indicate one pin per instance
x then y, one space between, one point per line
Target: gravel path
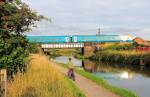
89 88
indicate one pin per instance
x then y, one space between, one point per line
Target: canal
134 78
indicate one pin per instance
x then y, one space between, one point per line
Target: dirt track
88 87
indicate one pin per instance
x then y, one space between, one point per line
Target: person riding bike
70 72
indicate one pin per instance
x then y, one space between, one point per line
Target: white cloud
84 16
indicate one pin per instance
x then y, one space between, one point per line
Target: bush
33 48
124 57
120 47
14 48
13 53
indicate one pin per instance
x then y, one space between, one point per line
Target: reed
124 57
42 80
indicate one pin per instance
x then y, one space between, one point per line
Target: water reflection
127 76
132 77
125 71
122 70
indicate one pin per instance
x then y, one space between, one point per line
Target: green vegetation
119 46
123 53
79 56
33 48
74 89
66 52
120 91
62 52
124 57
39 78
13 54
14 48
42 80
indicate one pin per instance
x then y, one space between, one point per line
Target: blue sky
73 17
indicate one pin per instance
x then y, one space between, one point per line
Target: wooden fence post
3 81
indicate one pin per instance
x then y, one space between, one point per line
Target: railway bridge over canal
86 42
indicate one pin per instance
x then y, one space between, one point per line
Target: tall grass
118 46
125 57
42 80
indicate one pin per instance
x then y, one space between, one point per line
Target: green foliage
74 89
14 48
14 20
79 56
13 53
120 91
62 52
33 48
123 57
120 47
101 82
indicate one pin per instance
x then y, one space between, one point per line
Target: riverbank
81 57
90 88
123 57
42 79
102 83
62 52
66 52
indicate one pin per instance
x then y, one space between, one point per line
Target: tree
14 22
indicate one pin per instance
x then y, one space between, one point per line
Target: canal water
134 78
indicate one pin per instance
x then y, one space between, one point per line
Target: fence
143 49
3 80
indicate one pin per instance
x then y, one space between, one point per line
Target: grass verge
125 57
79 56
63 52
74 89
101 82
42 80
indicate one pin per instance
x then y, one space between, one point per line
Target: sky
74 17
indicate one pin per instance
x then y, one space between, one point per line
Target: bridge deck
79 39
63 45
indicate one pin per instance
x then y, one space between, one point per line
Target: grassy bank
63 52
66 52
120 91
125 57
81 57
42 80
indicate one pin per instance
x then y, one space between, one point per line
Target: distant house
142 45
141 42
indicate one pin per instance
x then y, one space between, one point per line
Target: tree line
16 18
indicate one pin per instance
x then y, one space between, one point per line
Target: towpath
89 88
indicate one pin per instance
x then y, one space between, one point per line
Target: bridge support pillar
88 49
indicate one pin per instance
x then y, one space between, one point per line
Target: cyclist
70 73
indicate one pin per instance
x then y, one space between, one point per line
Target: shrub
125 57
14 48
